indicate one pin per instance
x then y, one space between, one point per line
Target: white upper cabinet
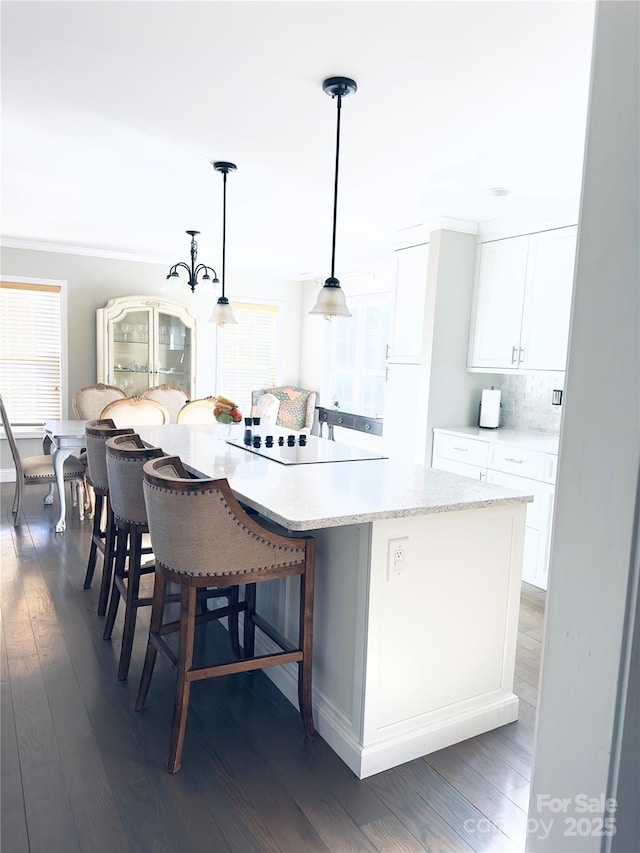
522 302
143 342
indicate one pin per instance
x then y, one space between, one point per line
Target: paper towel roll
490 408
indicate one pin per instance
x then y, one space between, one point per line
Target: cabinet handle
521 356
513 354
387 351
482 475
461 449
511 459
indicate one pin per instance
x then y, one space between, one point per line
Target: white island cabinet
143 342
411 654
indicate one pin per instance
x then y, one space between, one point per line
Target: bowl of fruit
226 411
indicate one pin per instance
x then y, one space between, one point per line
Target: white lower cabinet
517 467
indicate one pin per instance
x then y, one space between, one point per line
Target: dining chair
296 408
171 397
125 456
198 411
203 538
39 470
89 401
103 534
136 411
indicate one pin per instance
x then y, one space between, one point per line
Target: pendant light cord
224 224
335 195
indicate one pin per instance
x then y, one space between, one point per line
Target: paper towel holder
493 420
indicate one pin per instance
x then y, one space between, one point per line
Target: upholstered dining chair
103 534
89 401
203 538
296 407
198 411
125 456
171 397
136 411
38 470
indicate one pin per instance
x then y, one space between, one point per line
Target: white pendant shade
222 313
331 302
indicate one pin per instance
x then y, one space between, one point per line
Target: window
356 374
248 353
31 351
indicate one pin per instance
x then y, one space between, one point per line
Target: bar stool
202 538
103 537
125 456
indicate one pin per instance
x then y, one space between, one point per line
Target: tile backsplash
526 401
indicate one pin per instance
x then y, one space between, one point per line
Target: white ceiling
112 112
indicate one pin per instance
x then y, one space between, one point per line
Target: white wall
584 713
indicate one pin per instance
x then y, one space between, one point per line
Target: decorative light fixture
194 271
331 301
222 313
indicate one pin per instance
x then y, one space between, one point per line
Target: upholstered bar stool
126 454
203 538
103 536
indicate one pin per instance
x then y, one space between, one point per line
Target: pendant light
194 271
222 313
331 301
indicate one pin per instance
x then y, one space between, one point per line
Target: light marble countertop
308 497
542 441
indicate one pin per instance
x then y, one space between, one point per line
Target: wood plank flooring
81 771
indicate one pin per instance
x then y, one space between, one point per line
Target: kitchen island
417 592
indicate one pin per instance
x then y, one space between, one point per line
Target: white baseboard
7 475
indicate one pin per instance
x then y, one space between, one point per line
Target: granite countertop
308 497
542 441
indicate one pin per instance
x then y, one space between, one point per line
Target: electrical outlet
397 556
556 398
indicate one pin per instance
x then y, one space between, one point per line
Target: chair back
17 461
126 454
198 528
96 434
88 402
198 411
171 397
136 411
297 406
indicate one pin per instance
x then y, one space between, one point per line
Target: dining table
61 439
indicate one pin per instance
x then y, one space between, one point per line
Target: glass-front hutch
143 342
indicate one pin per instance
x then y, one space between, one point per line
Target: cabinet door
409 304
471 471
498 304
537 537
547 306
173 352
130 339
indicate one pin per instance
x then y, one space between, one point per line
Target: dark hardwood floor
81 771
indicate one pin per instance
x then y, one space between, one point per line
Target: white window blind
248 353
30 351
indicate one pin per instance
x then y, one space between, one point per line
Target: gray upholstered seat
203 538
35 470
103 538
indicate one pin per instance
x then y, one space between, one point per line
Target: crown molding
416 234
61 249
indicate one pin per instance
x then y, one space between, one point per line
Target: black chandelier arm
207 269
174 269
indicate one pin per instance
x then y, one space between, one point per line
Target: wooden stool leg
131 607
183 682
122 541
306 644
96 535
249 624
107 566
157 610
232 620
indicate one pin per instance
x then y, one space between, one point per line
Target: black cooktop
315 450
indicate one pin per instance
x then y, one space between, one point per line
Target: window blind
247 353
30 351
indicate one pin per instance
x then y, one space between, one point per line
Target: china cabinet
522 302
143 342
